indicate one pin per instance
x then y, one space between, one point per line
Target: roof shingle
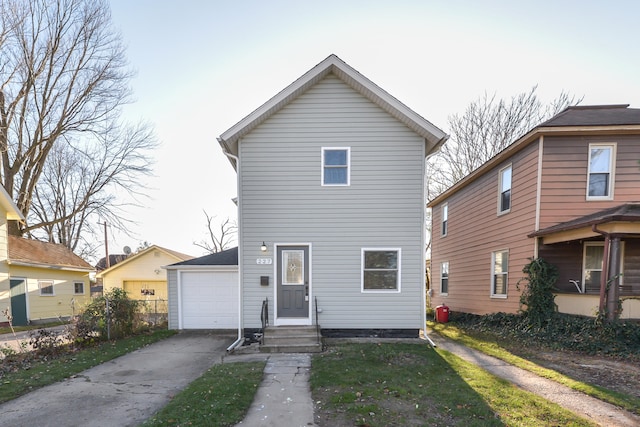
47 254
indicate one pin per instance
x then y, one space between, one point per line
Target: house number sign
264 261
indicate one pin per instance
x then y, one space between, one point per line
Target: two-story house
331 206
568 192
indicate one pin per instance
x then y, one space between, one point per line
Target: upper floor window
335 166
504 198
444 277
445 218
500 273
46 287
381 270
600 174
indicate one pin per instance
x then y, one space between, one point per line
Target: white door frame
292 321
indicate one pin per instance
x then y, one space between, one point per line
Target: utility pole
106 245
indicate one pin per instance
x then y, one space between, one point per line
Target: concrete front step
291 339
292 348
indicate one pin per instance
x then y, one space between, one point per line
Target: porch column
613 279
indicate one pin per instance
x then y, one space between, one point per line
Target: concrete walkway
122 392
579 403
284 397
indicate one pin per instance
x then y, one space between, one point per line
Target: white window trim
500 173
444 224
83 287
53 288
441 269
348 150
493 267
382 291
612 170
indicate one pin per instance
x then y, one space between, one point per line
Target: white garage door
209 300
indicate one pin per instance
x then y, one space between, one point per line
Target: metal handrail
317 321
264 316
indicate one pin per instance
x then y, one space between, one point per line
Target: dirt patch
618 375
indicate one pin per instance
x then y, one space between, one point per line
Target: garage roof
227 257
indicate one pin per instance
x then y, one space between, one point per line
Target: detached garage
203 292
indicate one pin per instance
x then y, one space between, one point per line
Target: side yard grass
394 384
490 346
30 374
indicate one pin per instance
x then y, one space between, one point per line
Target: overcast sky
203 65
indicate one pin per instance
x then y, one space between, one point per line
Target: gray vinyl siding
172 290
282 201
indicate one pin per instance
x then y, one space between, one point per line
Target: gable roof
34 253
174 254
13 213
574 120
228 257
434 137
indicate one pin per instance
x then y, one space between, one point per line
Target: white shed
203 292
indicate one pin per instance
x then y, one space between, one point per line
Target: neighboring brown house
568 192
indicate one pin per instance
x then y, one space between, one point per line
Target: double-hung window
444 277
336 166
499 275
381 270
78 288
504 198
600 174
445 219
46 287
592 266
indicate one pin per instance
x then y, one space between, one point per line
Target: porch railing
264 316
317 320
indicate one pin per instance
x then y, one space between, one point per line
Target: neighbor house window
592 266
381 270
46 287
335 166
78 288
444 278
504 198
445 218
600 174
499 277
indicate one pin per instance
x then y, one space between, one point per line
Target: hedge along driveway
124 391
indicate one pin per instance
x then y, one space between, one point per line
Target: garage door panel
209 300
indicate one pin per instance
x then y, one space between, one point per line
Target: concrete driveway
123 392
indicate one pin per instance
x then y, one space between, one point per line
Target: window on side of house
46 287
592 266
78 288
600 174
336 164
381 270
445 219
499 276
504 198
444 278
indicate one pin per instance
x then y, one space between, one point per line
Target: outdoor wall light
263 248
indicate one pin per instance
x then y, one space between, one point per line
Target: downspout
240 339
605 266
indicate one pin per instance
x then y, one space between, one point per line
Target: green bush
111 316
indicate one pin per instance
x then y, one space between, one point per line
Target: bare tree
63 79
219 239
78 187
488 126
